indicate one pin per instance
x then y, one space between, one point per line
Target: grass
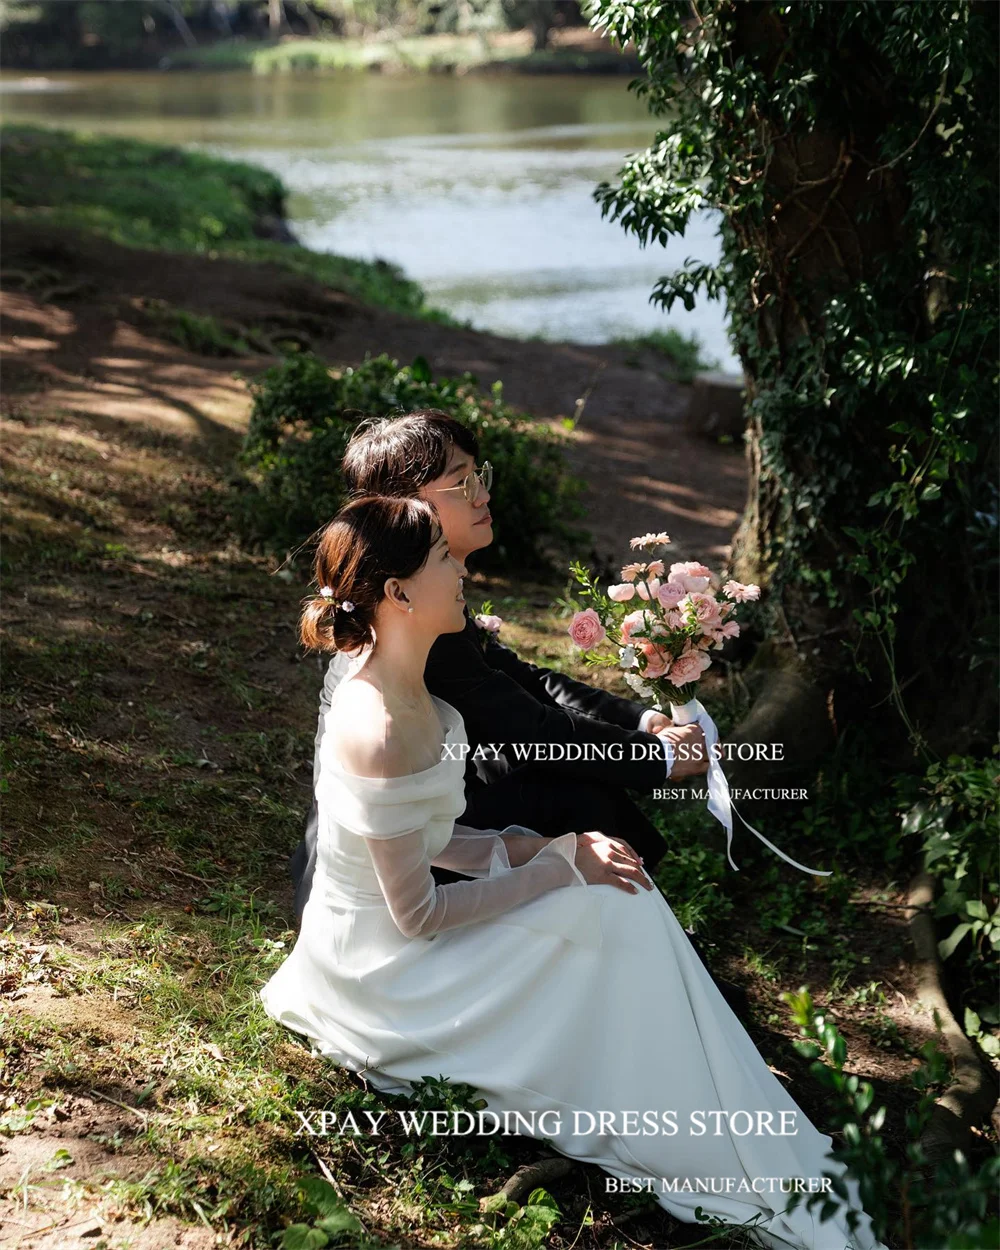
157 757
158 754
157 746
147 195
682 352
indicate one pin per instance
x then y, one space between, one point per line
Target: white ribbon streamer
720 802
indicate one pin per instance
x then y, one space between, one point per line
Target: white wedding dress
544 993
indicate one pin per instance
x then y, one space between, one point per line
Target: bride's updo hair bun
370 540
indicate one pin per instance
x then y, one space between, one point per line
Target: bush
303 416
956 824
952 1206
682 352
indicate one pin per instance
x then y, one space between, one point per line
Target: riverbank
78 190
573 50
570 50
153 195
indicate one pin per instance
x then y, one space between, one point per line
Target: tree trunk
180 22
831 227
540 24
309 17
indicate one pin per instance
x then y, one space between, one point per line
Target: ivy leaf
302 1237
321 1196
343 1222
947 947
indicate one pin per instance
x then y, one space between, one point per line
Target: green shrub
956 824
303 416
682 352
952 1207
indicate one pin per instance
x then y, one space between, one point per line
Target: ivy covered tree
851 150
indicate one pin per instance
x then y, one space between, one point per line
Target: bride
557 981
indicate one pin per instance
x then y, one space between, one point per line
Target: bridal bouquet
664 623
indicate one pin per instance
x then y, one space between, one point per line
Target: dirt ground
630 434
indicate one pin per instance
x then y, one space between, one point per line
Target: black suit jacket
504 699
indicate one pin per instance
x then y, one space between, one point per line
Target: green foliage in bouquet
302 419
951 1208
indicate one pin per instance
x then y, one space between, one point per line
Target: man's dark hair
398 455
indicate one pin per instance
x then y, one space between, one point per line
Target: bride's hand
609 861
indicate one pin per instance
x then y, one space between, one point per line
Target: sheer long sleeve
420 907
404 816
472 851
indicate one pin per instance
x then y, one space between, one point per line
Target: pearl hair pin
345 606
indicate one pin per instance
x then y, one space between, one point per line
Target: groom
503 699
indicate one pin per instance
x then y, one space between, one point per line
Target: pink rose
491 623
650 593
657 662
670 594
691 575
632 622
689 667
622 593
586 629
740 592
706 610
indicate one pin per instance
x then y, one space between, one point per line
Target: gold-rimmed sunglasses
472 482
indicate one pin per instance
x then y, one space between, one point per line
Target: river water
480 187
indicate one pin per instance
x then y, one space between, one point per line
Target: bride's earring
409 609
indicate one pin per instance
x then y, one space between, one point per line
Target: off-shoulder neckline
450 713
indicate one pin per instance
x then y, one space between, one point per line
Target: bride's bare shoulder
362 734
